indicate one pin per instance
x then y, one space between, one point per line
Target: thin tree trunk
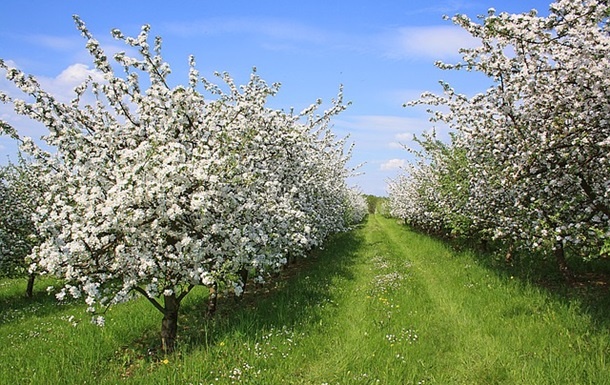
593 196
243 275
29 291
169 324
484 244
562 264
212 300
509 258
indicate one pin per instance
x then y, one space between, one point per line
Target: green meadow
378 305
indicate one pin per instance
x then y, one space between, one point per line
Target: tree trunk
243 275
509 257
169 325
562 264
484 244
212 300
29 291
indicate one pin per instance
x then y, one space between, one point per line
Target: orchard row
528 164
154 189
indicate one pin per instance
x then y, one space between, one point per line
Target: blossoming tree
537 140
155 189
20 189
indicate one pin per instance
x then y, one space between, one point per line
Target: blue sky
381 51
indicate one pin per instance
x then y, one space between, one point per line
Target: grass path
488 328
380 305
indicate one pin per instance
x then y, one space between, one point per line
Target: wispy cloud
56 43
377 124
447 7
276 29
431 42
438 42
381 135
393 164
401 96
405 136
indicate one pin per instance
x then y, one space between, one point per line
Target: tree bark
593 196
509 257
562 264
29 290
212 300
243 275
169 324
484 244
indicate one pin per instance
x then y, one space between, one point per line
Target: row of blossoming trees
19 194
528 162
154 189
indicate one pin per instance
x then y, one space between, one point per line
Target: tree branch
593 196
150 299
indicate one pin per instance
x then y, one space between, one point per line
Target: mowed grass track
379 305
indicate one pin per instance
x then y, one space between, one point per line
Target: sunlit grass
379 305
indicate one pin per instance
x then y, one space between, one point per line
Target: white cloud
379 137
277 34
76 73
393 164
402 141
62 86
433 42
405 136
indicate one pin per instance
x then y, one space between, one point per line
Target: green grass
379 305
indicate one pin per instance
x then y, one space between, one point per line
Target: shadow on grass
293 299
589 288
16 306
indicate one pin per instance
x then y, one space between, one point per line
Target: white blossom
528 162
156 188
